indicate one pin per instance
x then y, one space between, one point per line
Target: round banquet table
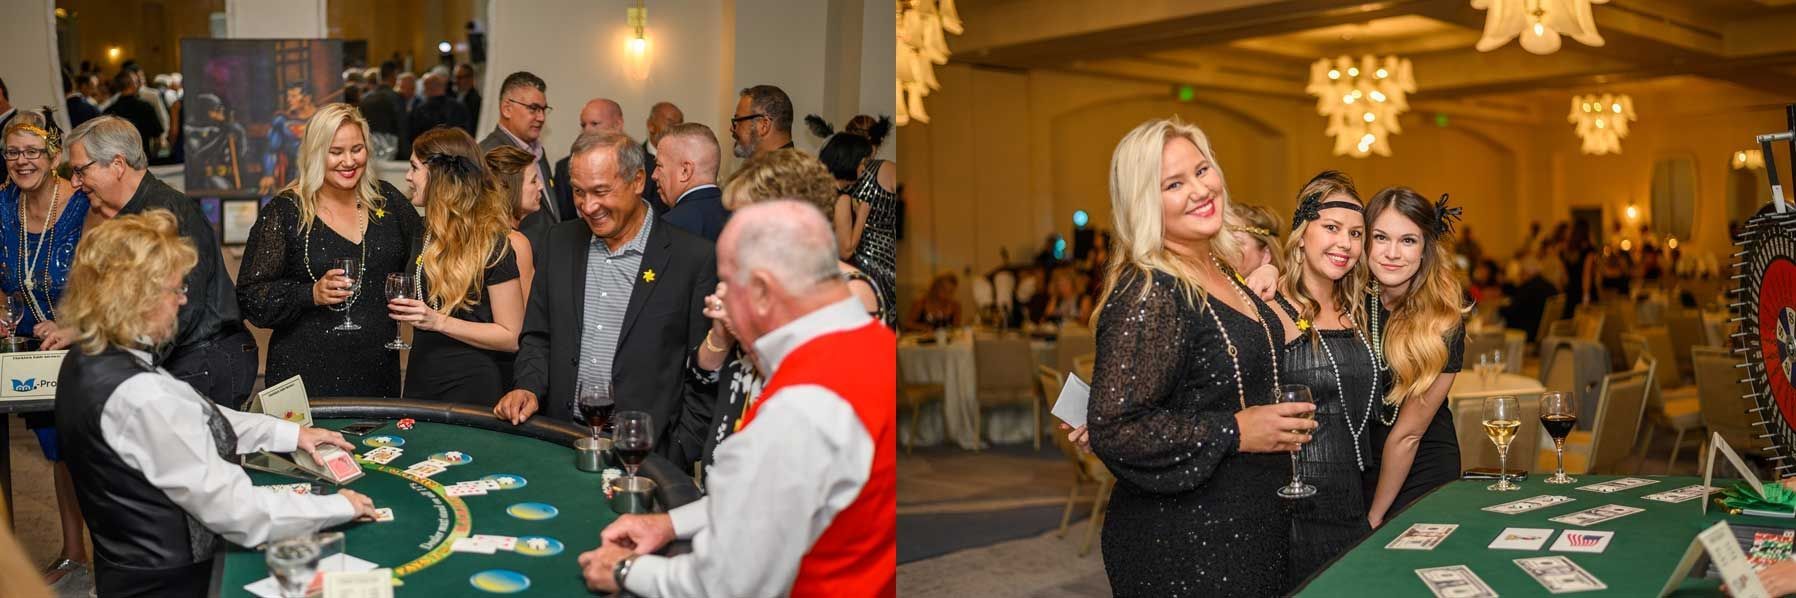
427 521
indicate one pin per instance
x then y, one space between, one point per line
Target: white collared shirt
158 425
776 485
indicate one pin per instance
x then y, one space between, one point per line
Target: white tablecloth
953 366
1469 385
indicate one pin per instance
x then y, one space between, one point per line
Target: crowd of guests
626 270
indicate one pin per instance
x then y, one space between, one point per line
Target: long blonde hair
1140 232
1325 185
1415 341
314 159
464 214
117 279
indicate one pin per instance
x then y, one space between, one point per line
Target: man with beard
763 121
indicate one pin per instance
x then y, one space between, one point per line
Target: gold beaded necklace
1272 348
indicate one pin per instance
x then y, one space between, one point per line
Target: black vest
144 544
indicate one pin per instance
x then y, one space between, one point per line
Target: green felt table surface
424 520
1639 560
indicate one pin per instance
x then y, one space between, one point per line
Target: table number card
1716 444
30 375
286 401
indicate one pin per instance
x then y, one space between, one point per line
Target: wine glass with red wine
594 406
1559 414
633 438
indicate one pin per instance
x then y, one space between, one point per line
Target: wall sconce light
113 53
636 50
1633 213
1671 242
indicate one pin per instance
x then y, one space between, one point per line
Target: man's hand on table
596 566
643 534
311 438
516 406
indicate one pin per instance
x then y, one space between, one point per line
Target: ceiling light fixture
1362 101
1601 122
923 26
1538 23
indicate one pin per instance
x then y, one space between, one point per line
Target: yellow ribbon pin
648 276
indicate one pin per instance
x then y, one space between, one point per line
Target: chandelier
1751 159
1361 101
1538 23
923 26
1602 121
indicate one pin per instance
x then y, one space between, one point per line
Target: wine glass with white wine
1502 418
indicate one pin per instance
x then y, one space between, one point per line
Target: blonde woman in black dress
1182 398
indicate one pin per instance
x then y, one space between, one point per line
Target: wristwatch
622 570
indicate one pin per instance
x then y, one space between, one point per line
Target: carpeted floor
1040 566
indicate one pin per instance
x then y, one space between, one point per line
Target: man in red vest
803 499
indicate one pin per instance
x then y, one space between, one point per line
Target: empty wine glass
1296 393
632 438
15 315
293 562
399 286
348 266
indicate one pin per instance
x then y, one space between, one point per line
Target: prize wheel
1766 312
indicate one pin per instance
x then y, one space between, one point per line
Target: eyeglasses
77 171
747 117
535 109
29 153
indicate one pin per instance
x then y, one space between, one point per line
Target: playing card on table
1595 515
383 455
1560 575
1618 485
499 542
1422 536
1573 540
425 469
488 485
1456 581
1685 494
383 514
1528 504
474 545
1521 538
464 489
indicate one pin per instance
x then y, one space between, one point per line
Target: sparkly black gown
877 253
1345 386
1190 515
275 292
1437 457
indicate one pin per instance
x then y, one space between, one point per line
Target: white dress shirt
158 425
682 196
776 485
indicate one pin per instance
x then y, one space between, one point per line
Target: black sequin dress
1437 457
275 292
1340 374
877 253
1190 515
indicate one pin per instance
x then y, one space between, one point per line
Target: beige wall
1009 155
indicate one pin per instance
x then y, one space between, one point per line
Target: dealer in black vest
153 459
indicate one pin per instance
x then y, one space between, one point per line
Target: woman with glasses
291 283
41 219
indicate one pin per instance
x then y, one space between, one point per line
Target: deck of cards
1456 581
1618 485
1685 494
484 544
1422 536
1560 575
1595 515
1528 504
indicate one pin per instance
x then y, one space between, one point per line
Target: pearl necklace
1376 346
25 252
1272 348
418 275
361 265
1341 391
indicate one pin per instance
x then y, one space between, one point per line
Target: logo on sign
31 384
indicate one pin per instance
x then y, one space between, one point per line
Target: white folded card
1074 397
267 587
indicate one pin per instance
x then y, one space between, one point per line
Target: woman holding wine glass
1334 358
468 305
1416 295
1182 397
295 280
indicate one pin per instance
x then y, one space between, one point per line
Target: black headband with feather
819 127
452 163
1444 216
875 133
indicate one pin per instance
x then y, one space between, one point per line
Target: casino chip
1766 310
406 424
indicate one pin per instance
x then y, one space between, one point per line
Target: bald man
686 175
662 116
438 109
598 116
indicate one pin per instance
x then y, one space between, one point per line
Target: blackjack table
1639 560
554 510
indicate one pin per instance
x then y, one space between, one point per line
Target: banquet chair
914 396
1004 289
1005 370
1687 331
1553 311
1087 469
1620 403
1658 343
1725 408
1083 364
1476 450
1618 318
1677 409
984 298
1482 343
1073 342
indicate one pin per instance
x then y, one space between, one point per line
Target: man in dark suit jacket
438 109
135 110
522 110
633 322
599 115
381 106
662 116
467 94
76 93
688 176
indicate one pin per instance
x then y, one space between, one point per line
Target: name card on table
1717 445
287 401
30 375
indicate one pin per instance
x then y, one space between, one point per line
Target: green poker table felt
416 543
1638 562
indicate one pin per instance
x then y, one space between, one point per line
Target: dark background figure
381 106
467 94
662 116
1527 300
438 109
135 110
78 101
215 140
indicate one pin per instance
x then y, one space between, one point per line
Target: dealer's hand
311 438
643 534
364 506
597 564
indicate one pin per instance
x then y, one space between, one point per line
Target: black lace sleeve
269 294
1142 425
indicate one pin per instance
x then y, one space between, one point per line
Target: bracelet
621 571
712 347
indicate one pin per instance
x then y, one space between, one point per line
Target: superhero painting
251 101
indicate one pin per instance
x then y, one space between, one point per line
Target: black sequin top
877 253
1190 515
